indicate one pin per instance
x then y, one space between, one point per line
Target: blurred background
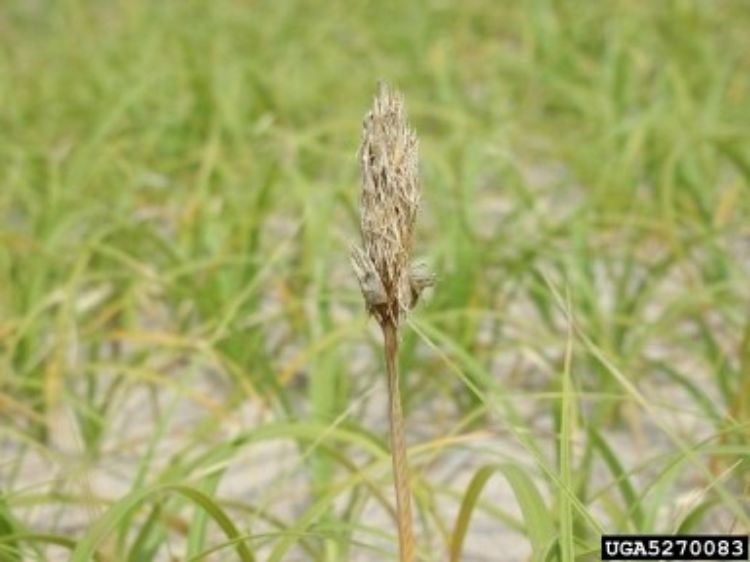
182 340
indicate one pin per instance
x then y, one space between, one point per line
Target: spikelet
389 201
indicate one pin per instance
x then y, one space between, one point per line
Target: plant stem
398 446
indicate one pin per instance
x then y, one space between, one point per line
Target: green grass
185 365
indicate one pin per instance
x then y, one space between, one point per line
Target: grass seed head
389 201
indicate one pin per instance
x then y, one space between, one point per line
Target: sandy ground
272 475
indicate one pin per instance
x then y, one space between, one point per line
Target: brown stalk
389 284
398 445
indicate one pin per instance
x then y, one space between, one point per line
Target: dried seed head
389 201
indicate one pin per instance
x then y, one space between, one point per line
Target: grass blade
536 516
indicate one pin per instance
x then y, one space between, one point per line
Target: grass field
186 368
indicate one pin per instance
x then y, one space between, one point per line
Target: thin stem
398 446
